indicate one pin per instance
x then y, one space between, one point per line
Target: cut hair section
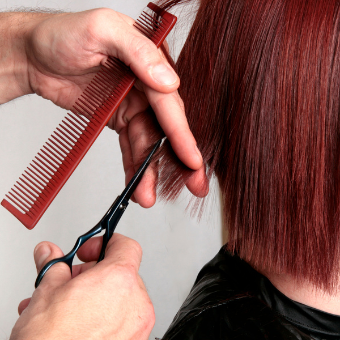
260 82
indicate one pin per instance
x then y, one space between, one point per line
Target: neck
306 293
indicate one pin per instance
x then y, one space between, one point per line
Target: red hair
260 83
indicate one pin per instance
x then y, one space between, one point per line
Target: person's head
260 83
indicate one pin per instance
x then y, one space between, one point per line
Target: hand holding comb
68 144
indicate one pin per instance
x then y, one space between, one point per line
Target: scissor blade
132 185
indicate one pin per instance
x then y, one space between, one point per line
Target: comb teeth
60 155
155 23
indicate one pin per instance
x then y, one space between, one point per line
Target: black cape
230 300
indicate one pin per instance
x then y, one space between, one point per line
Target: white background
175 246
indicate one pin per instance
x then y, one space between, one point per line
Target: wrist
15 28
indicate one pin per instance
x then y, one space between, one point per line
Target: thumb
140 54
59 273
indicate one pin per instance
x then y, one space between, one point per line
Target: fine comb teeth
68 144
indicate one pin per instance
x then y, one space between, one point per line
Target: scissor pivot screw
122 207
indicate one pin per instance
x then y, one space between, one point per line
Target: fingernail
163 74
41 253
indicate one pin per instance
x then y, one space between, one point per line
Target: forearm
15 27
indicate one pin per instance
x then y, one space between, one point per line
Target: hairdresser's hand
56 55
103 301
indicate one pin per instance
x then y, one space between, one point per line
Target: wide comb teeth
68 144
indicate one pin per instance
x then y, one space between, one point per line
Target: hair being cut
260 81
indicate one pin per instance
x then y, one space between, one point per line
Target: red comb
68 144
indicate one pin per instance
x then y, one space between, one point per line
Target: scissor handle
68 258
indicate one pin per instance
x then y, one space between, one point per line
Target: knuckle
149 312
99 14
127 274
135 124
166 100
180 102
137 248
147 317
43 293
97 19
143 49
137 127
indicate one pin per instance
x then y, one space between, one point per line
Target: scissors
108 222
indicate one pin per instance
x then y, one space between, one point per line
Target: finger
198 183
143 131
120 250
145 193
59 273
134 103
81 268
90 250
133 48
23 305
128 164
169 110
123 251
143 57
125 148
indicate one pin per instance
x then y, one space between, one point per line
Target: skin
103 301
55 56
306 293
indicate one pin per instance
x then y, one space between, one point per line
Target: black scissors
107 223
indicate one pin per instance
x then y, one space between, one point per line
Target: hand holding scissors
108 223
